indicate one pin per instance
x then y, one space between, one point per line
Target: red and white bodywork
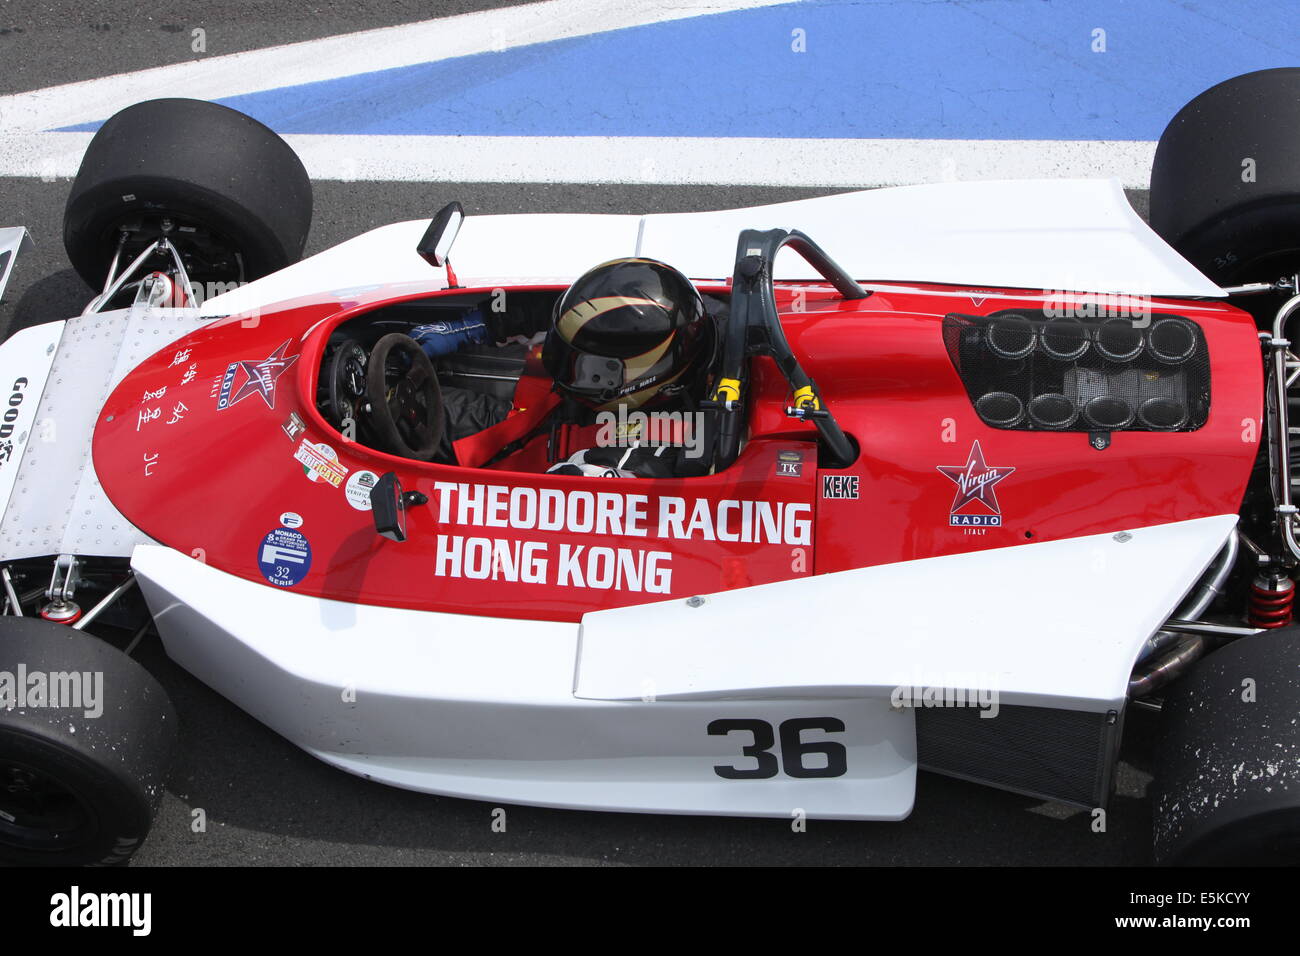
706 645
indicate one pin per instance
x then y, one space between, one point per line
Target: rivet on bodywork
695 601
1123 536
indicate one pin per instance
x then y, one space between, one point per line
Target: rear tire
78 790
237 196
1232 229
1227 789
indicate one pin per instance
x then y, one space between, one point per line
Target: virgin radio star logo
258 378
976 504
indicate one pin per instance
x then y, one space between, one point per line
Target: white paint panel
1053 624
483 707
1079 235
978 234
58 505
555 246
383 256
550 247
27 354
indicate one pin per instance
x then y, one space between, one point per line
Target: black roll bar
754 328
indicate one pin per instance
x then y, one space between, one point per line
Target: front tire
79 787
231 195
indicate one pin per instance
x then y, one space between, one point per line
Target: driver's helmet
629 331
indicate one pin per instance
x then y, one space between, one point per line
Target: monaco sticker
975 503
284 557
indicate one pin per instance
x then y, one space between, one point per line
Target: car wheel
231 195
79 783
1227 788
1225 184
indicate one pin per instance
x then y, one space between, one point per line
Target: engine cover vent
1027 370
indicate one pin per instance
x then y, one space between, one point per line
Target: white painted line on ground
311 61
659 160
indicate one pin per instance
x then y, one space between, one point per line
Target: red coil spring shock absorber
1271 598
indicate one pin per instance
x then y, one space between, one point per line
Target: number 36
793 748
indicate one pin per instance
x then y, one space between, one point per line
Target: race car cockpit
511 378
412 378
449 380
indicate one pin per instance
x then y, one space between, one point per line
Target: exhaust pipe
1187 648
1186 652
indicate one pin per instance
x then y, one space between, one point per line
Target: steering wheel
404 400
347 382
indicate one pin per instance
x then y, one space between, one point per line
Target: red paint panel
209 462
207 444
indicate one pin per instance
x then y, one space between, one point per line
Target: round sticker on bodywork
284 557
358 489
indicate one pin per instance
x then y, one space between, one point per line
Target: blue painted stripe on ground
979 69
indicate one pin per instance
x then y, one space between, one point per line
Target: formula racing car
977 470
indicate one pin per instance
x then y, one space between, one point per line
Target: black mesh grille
1029 371
1059 754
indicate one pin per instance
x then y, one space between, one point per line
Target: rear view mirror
435 245
388 504
389 508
